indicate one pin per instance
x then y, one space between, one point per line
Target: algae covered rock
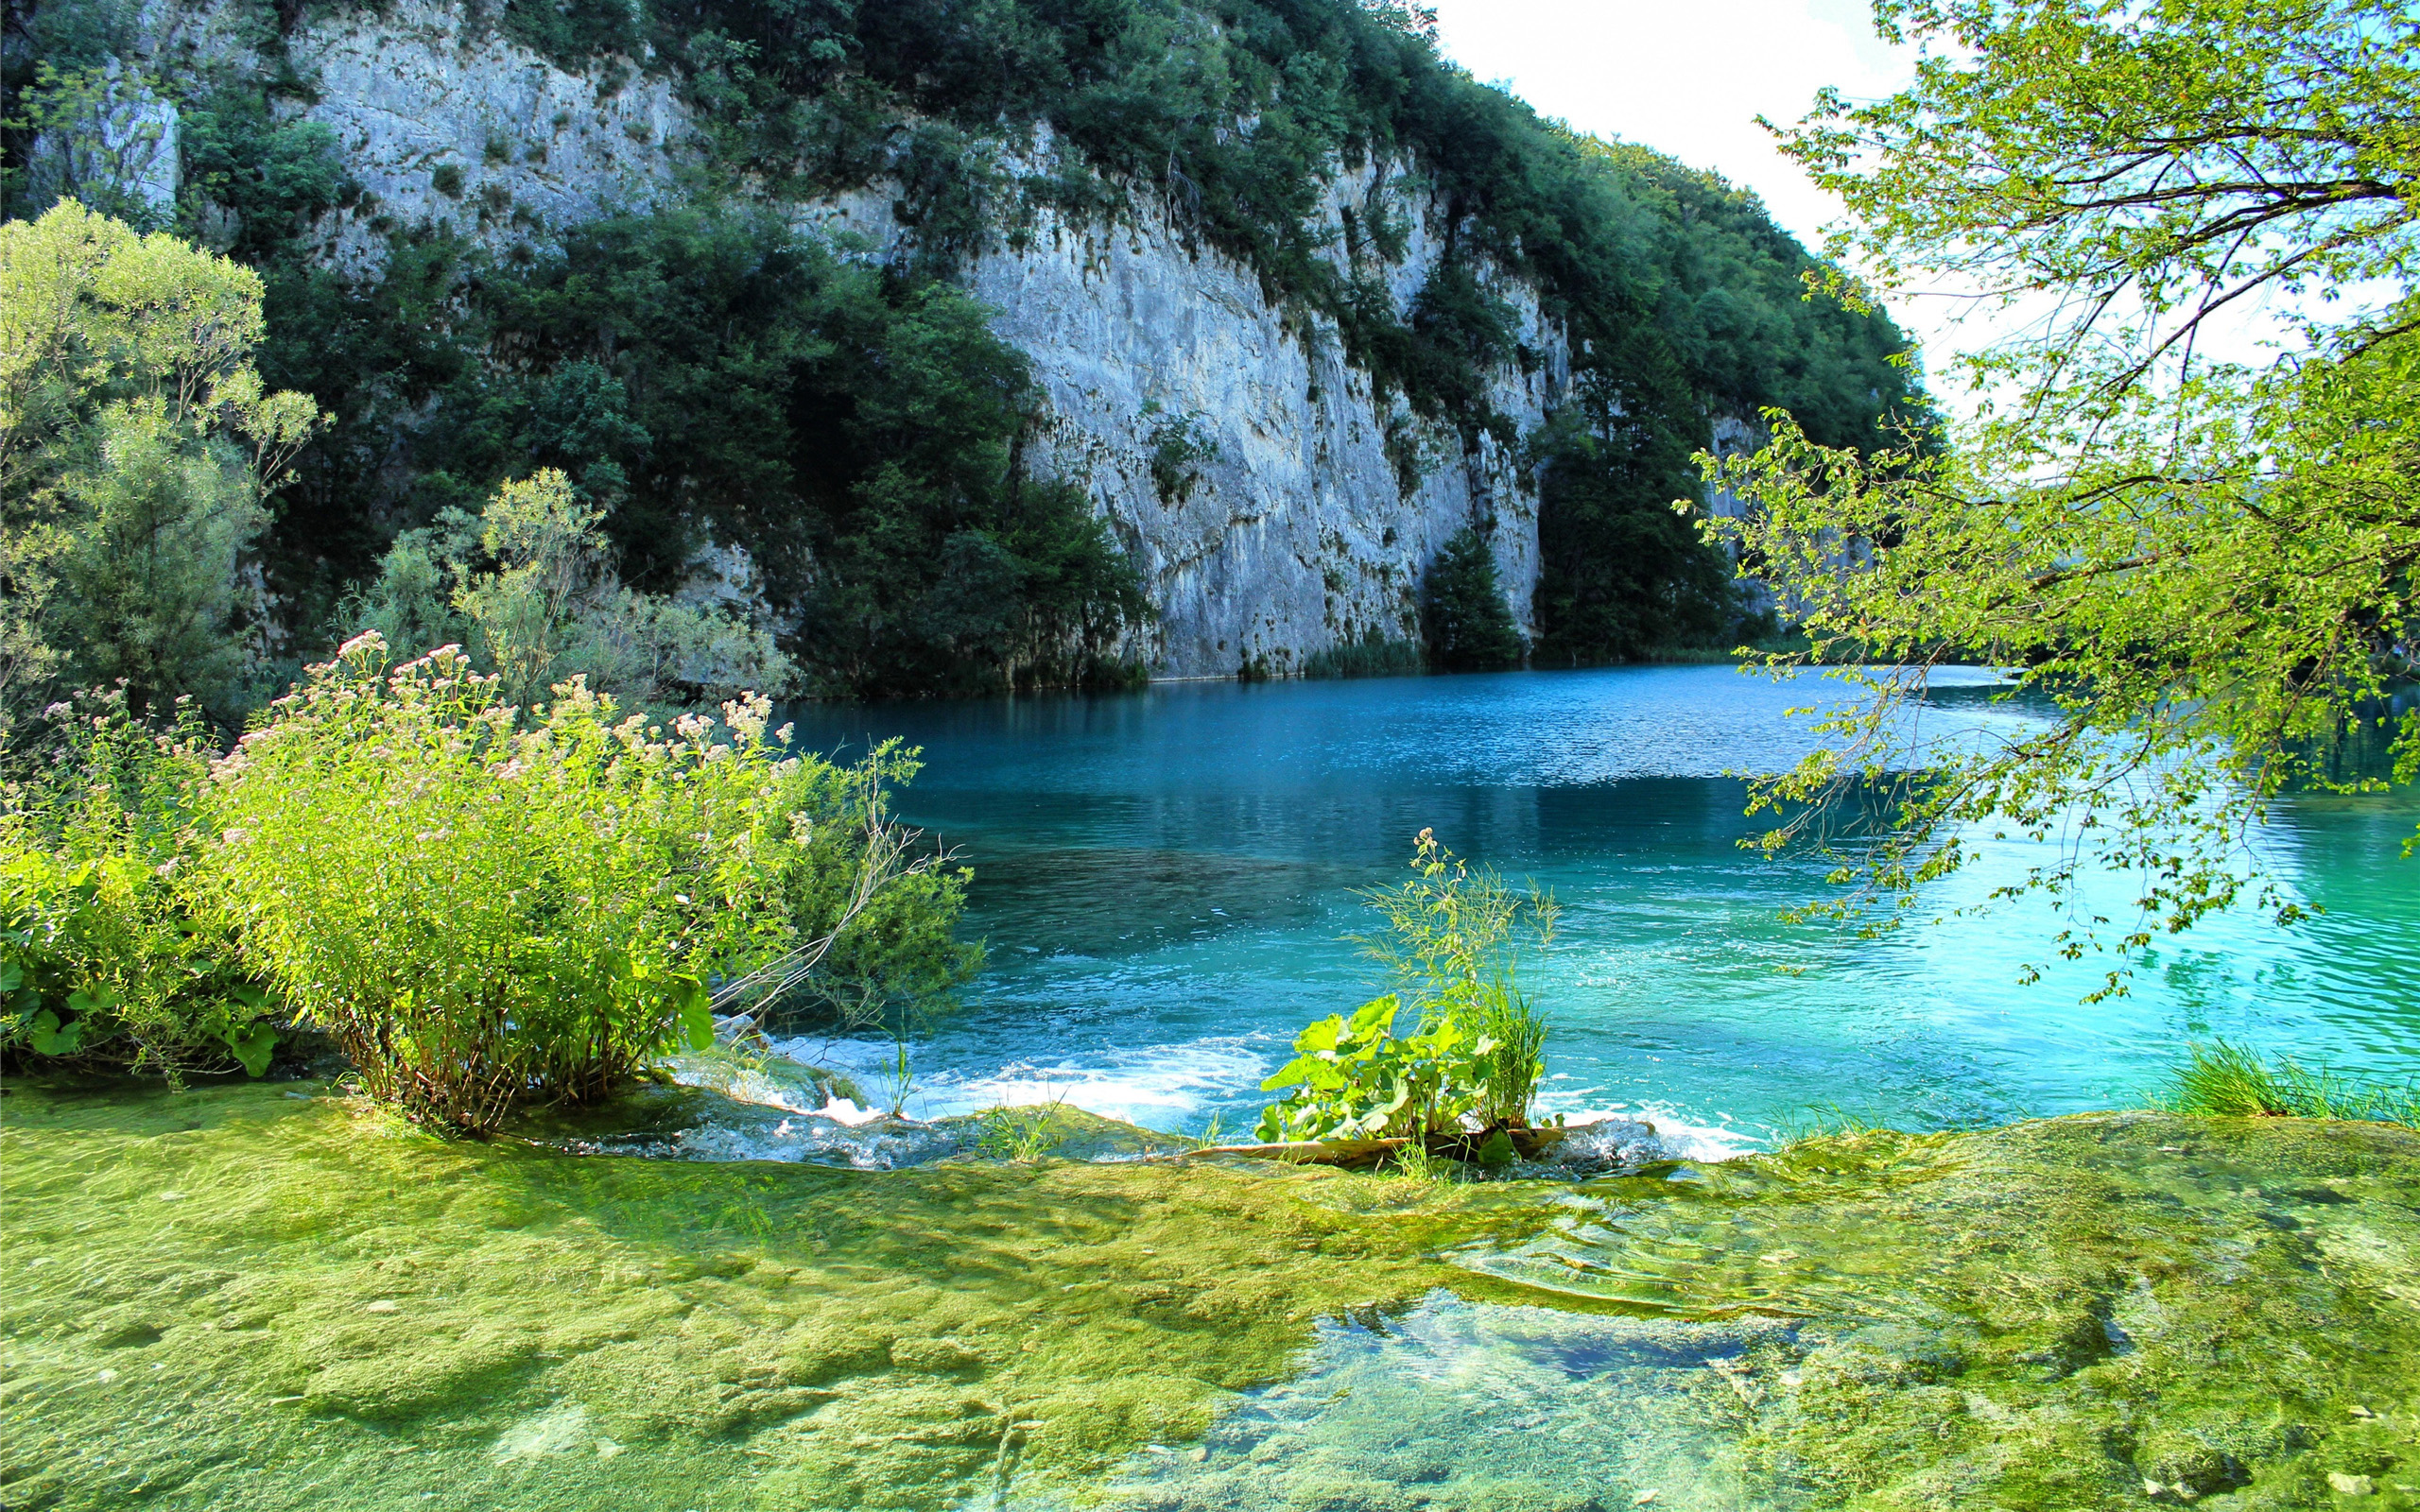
2059 1314
337 1312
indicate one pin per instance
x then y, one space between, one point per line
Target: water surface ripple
1163 880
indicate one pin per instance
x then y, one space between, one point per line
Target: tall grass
1509 1078
2224 1080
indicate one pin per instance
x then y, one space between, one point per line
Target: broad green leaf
1320 1036
1290 1074
51 1038
90 1001
696 1011
253 1047
1378 1013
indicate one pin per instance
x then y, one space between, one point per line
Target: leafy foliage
483 909
102 961
529 583
2204 571
1477 1050
714 376
1618 578
1179 443
95 135
1025 1134
1462 613
136 440
1372 656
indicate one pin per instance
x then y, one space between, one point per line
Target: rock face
1291 509
120 138
1276 505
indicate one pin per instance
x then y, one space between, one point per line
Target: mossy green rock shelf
236 1297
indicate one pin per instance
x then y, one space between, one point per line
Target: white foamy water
1159 1086
1681 1140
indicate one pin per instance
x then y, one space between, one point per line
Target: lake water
1165 880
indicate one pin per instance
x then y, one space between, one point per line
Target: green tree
1462 612
98 134
2203 570
136 443
714 377
1620 576
528 585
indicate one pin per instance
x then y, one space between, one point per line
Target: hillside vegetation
715 374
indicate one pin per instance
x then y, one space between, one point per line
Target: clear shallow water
1453 1404
1163 880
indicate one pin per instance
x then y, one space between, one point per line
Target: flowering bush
101 961
486 905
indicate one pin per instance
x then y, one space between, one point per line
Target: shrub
529 584
101 961
1356 1079
484 906
1179 443
1372 656
136 443
1477 1052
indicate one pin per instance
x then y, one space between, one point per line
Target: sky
1688 77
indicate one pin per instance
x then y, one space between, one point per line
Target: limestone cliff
1275 504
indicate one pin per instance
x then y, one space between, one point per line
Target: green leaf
1315 1071
252 1046
90 1001
696 1011
51 1038
1320 1036
1378 1013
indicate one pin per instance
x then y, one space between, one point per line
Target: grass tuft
1415 1162
2224 1080
1021 1134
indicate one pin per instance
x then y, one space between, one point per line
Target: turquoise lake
1165 880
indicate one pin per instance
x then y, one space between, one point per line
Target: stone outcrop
1292 508
1277 505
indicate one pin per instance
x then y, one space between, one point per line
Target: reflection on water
1164 879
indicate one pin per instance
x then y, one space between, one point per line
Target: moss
2054 1314
234 1296
239 1296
